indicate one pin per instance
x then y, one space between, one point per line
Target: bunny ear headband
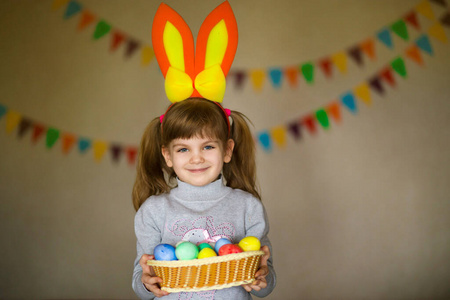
203 74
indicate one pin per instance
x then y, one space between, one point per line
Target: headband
203 74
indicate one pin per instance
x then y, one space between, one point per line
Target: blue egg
220 243
164 252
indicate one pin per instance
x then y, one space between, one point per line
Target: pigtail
240 172
150 176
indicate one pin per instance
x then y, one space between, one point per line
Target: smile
197 170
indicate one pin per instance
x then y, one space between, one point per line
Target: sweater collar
213 191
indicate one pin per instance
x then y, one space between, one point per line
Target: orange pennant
292 76
334 110
87 18
68 140
368 47
117 38
413 52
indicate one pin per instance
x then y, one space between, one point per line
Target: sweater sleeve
148 236
257 224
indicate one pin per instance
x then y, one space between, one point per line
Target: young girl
212 166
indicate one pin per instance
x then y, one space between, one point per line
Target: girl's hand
149 278
263 271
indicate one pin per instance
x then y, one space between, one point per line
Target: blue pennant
83 145
385 36
424 43
2 110
72 8
349 101
275 75
265 140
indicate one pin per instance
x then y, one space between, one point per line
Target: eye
182 150
209 147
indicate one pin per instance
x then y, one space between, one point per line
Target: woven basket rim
203 261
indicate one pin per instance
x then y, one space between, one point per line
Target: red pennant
334 111
116 39
411 18
38 131
131 154
292 76
368 47
326 64
413 52
86 19
387 75
68 140
310 123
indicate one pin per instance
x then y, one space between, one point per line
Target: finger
262 272
247 287
266 255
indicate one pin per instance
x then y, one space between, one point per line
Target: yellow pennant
340 61
99 148
424 8
362 91
438 32
257 77
279 136
12 120
58 3
147 55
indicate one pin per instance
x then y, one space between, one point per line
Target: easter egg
206 252
250 243
220 243
229 249
186 251
205 245
164 252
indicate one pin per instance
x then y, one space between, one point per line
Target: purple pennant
375 84
355 53
240 77
132 46
24 126
294 128
116 150
440 2
445 19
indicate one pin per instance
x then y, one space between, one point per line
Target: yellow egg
250 243
206 252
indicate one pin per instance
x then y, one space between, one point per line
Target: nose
196 158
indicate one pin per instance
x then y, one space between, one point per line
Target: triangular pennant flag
131 155
399 66
3 110
147 55
322 117
87 18
24 126
387 75
257 77
400 29
101 29
38 131
117 39
375 84
413 53
68 140
58 3
411 18
340 61
349 101
116 150
99 148
275 76
310 124
239 78
423 42
425 9
265 140
72 8
438 32
368 47
308 72
83 145
12 120
294 129
279 136
355 53
440 2
445 19
362 91
385 37
52 137
334 110
325 64
132 46
292 76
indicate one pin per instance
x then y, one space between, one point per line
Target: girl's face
197 161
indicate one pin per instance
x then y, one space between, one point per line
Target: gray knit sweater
199 214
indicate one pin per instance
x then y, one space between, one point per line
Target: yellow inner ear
216 45
173 44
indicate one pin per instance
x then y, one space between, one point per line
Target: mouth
198 170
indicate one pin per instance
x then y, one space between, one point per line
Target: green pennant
400 29
52 137
308 72
399 66
101 29
322 117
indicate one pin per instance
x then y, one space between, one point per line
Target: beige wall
360 211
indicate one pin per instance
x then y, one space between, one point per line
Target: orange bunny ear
217 40
172 40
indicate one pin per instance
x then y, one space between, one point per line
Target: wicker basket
208 273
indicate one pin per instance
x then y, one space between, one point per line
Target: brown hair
187 119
